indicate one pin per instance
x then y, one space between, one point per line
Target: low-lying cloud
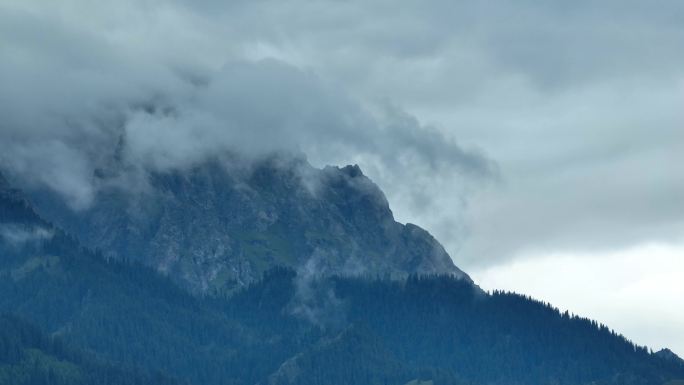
73 102
19 235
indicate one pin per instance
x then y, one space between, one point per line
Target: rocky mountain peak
352 170
219 225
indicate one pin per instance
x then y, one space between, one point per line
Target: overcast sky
541 142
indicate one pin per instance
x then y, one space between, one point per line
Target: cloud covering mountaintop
74 97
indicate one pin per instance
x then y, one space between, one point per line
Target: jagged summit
352 171
220 225
669 355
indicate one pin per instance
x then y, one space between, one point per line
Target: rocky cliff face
216 227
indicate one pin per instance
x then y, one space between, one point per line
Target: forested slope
29 357
288 327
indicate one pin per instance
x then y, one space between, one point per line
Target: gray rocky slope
214 228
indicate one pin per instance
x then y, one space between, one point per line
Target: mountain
217 226
292 326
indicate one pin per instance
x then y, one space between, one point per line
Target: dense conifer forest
29 357
287 328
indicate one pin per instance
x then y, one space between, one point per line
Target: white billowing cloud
79 94
634 291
